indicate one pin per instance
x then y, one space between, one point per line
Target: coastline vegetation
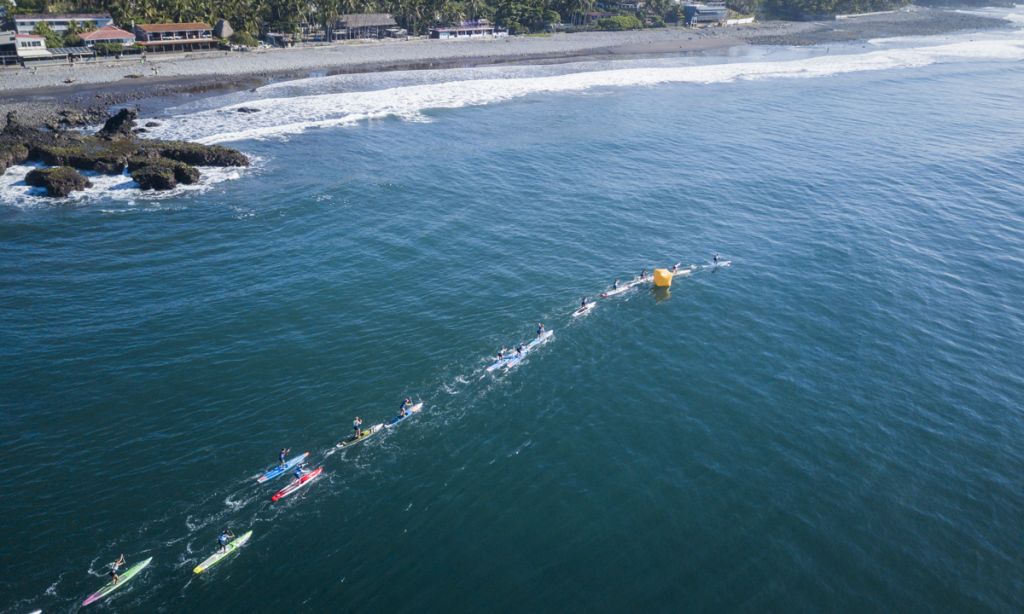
252 18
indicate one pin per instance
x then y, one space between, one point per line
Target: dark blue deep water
834 423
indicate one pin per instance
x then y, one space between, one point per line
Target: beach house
468 29
366 25
108 34
701 14
175 36
31 46
59 22
8 48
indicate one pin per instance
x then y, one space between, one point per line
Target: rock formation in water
59 181
153 164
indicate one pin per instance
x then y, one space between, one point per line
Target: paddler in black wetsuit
715 258
403 411
540 328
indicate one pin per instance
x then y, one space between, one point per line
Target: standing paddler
223 538
114 567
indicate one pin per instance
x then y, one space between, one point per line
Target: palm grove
251 18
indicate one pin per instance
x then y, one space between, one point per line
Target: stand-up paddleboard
280 469
363 436
539 340
626 287
415 409
684 272
217 557
617 291
297 484
585 309
124 578
719 264
501 362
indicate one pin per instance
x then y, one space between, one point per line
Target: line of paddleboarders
226 535
223 538
504 353
404 411
644 276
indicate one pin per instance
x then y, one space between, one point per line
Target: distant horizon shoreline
70 96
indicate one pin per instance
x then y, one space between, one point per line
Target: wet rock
247 110
183 173
59 181
11 154
196 154
120 124
88 153
154 164
155 177
151 124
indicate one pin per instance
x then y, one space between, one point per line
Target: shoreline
41 96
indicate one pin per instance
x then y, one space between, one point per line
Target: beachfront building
705 13
59 22
365 25
31 46
175 36
468 29
8 48
108 34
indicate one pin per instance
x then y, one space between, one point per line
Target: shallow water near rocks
833 422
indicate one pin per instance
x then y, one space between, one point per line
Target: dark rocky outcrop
194 153
247 110
11 154
59 181
154 164
120 124
151 124
183 173
155 177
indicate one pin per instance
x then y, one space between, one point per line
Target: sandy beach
47 94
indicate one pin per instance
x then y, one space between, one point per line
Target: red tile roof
173 27
107 33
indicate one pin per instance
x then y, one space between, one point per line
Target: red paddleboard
297 484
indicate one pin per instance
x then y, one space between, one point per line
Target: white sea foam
120 188
279 117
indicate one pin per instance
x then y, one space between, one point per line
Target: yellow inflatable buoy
662 278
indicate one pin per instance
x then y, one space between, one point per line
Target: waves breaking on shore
279 117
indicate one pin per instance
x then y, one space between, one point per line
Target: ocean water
832 423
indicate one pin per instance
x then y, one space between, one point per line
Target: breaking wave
278 117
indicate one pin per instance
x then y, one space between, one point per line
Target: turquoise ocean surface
833 423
